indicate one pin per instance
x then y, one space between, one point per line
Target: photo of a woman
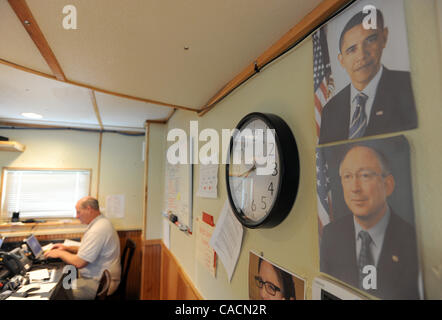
269 282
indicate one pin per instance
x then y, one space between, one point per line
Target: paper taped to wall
227 239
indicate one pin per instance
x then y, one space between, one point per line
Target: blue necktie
365 256
359 120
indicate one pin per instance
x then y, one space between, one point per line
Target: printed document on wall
115 205
227 239
208 181
205 254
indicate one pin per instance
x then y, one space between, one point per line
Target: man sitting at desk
99 250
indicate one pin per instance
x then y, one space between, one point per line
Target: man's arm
71 249
67 257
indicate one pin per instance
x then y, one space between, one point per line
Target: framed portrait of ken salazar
361 70
367 231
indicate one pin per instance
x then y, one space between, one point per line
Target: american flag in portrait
323 189
322 74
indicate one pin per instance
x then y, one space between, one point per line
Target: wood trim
52 169
11 146
25 16
113 93
151 270
122 95
161 121
162 275
100 144
28 70
53 223
309 23
146 179
47 237
170 115
167 257
95 106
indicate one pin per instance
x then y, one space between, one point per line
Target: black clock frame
289 172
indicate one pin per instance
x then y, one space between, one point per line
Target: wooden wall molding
163 278
175 283
151 270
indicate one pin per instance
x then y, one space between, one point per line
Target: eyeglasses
363 175
270 287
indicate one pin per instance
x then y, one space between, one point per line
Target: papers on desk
39 275
71 243
40 294
47 247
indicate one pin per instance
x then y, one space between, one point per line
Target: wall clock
262 200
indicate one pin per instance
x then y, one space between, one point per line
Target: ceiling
135 48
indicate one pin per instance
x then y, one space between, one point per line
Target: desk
48 288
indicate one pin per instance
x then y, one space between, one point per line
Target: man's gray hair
90 202
383 161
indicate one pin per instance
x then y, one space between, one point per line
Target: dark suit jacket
393 109
397 269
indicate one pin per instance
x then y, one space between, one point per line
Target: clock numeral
272 149
275 171
263 202
270 188
253 205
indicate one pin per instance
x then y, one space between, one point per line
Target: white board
179 190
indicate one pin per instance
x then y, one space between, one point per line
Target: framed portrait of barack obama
366 219
362 80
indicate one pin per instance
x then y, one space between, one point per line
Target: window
43 193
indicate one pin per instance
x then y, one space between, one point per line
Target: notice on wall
227 239
205 254
115 206
208 181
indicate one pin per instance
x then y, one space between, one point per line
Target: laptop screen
34 245
1 242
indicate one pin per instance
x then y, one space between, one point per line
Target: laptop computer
37 250
1 241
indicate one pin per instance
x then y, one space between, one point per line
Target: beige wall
121 164
157 148
286 88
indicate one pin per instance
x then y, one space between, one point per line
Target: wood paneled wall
151 270
47 237
163 277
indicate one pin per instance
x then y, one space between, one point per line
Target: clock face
254 177
262 172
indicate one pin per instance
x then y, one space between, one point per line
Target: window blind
43 193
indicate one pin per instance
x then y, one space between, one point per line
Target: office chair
126 259
104 285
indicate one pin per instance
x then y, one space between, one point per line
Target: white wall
121 166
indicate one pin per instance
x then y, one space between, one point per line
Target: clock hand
244 174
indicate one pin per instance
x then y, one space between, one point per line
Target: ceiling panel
58 103
136 47
127 114
15 44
